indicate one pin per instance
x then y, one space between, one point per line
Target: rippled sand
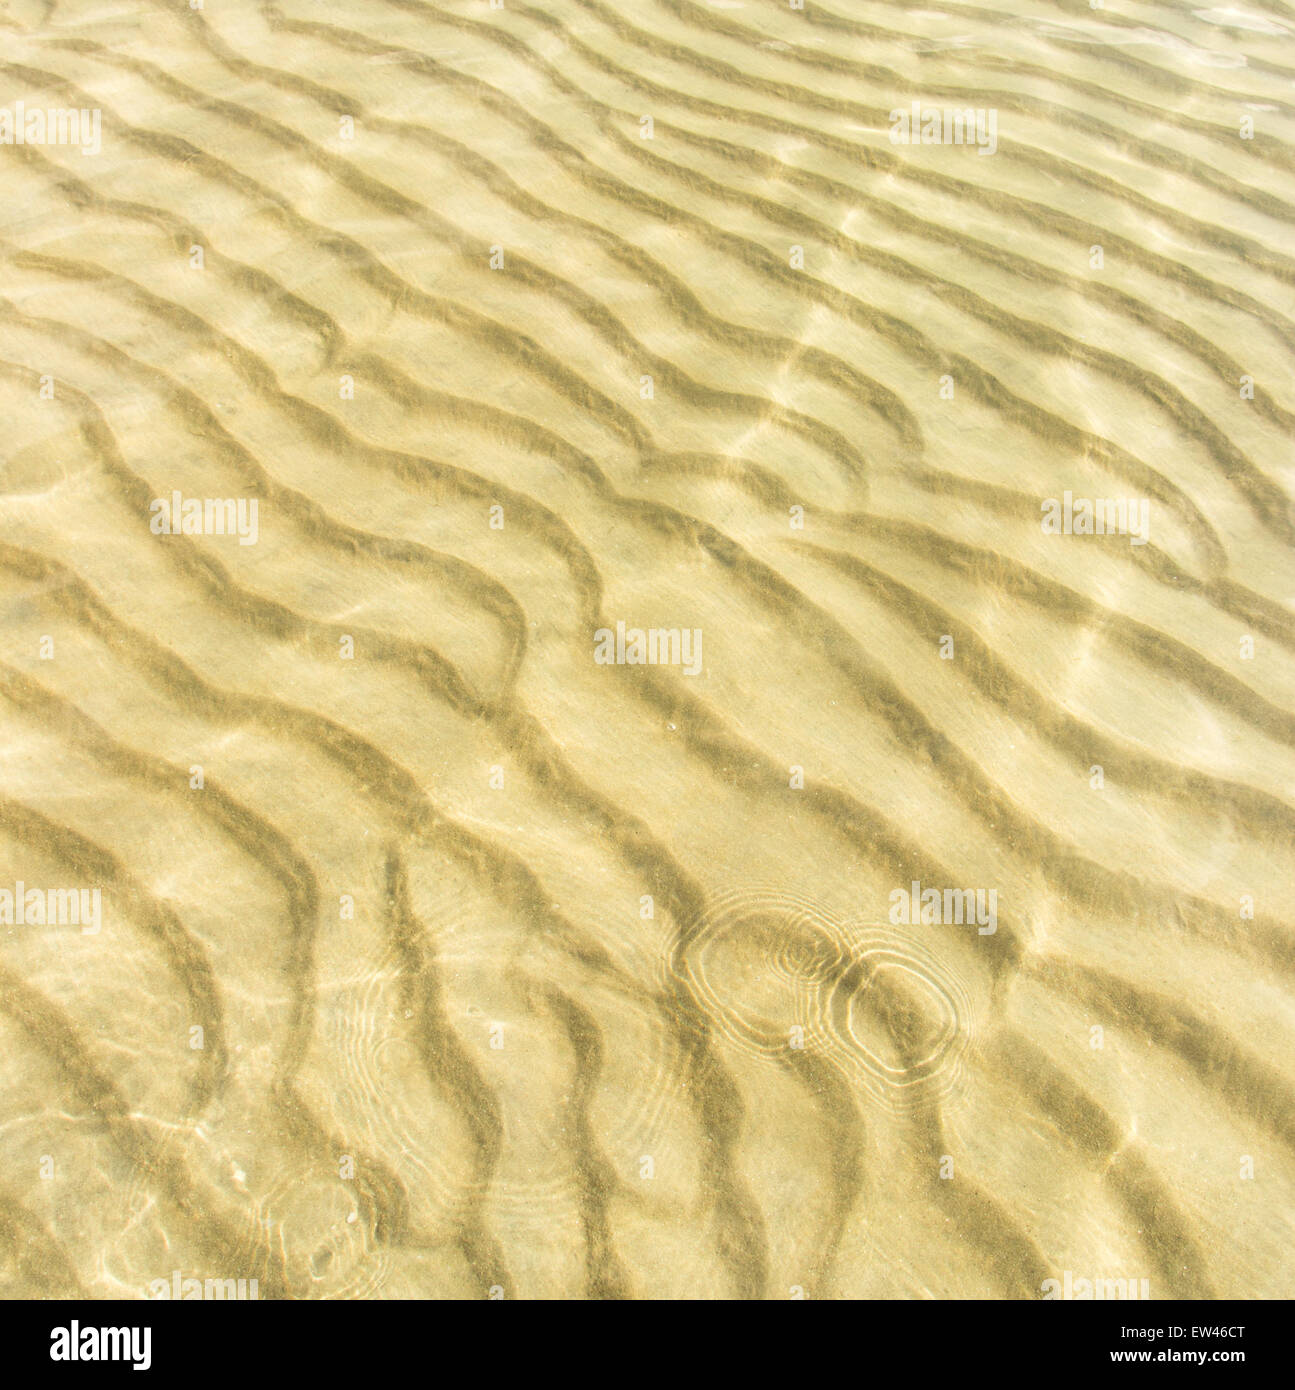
436 957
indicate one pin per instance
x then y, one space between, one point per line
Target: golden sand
646 805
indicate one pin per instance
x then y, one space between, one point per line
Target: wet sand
646 805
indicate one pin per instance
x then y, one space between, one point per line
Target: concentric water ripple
777 973
445 953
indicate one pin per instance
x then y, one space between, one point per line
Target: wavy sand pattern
437 958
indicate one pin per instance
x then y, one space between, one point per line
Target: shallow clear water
666 794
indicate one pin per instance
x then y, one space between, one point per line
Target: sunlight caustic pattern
646 649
